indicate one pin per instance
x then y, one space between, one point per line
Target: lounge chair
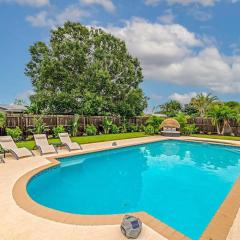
9 145
42 144
66 141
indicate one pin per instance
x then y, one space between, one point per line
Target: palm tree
221 116
202 102
215 114
227 115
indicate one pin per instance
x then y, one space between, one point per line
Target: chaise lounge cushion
22 152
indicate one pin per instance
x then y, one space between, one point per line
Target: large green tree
85 71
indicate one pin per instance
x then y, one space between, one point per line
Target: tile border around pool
217 229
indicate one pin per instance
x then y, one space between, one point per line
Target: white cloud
183 98
167 18
47 19
156 97
106 4
171 53
25 95
200 15
39 20
34 3
152 2
182 2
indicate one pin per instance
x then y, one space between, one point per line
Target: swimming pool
180 183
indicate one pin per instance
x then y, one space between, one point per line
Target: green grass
89 139
216 137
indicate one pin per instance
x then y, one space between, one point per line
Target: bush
57 130
115 129
149 129
2 119
91 130
141 128
189 129
15 133
123 128
132 128
182 119
39 126
75 124
107 124
155 122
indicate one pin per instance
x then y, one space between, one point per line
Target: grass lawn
216 137
89 139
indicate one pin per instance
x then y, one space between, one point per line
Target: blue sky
184 46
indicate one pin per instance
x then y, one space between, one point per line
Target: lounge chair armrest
32 152
55 147
38 148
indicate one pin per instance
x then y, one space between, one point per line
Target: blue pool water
179 183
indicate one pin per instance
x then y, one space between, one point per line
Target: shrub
57 130
107 123
155 122
75 125
132 128
141 128
189 129
91 130
15 133
2 119
115 129
123 128
149 129
182 119
39 126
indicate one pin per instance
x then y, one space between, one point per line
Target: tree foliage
85 71
221 115
202 102
2 119
155 122
171 108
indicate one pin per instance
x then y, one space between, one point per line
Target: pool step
72 163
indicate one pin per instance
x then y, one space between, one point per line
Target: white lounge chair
42 144
9 145
66 141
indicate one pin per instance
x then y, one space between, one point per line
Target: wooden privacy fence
26 122
205 125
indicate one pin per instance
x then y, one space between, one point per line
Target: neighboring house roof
12 108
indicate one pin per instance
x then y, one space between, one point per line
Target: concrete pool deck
16 223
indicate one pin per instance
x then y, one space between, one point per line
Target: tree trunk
218 129
225 124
